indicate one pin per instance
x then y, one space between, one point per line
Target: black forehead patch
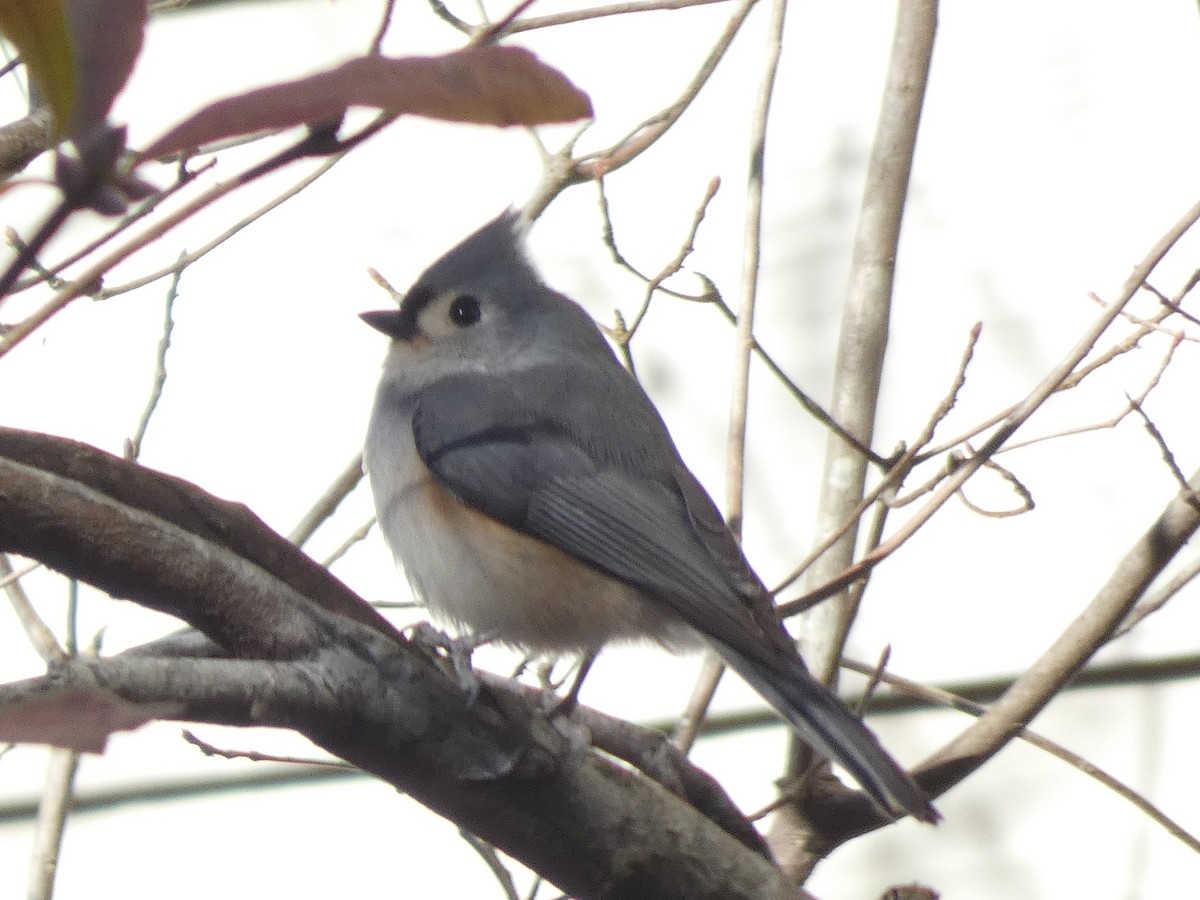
401 324
418 297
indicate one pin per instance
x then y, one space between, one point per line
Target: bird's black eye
464 311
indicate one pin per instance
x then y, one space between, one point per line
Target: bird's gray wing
630 508
545 476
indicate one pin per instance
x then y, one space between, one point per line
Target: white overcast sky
1059 142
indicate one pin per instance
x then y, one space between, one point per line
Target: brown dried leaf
74 718
485 85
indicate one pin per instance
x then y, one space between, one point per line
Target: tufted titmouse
532 494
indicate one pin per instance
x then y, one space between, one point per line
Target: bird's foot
562 706
458 650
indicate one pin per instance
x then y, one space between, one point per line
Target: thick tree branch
495 766
862 344
866 313
178 502
1083 637
24 140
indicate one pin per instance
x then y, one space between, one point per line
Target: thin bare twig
133 447
254 756
951 398
1155 601
18 574
561 170
1167 455
692 720
397 296
622 332
1155 379
735 477
1174 304
442 11
648 132
71 638
897 470
53 807
1155 323
1080 640
811 598
1022 492
1017 416
58 791
14 240
86 282
143 209
598 12
654 284
189 258
495 30
811 406
40 635
940 697
1078 374
874 679
341 487
355 537
492 860
735 474
385 22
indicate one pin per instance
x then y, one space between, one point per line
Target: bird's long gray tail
829 727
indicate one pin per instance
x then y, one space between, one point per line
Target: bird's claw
458 650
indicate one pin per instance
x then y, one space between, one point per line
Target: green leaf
38 29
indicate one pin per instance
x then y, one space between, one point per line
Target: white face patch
449 316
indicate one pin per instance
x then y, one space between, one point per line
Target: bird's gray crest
497 247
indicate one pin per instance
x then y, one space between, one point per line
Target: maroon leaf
485 85
75 718
106 38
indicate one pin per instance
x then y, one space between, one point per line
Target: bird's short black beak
391 322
